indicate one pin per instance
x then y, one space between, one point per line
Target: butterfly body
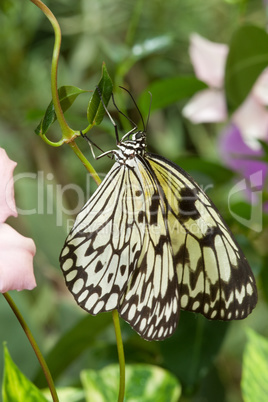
150 242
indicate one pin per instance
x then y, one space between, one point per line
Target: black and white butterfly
150 242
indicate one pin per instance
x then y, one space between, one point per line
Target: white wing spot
131 312
213 314
91 301
112 301
65 251
70 276
184 300
150 330
249 289
67 264
78 286
83 296
98 307
240 295
160 332
143 324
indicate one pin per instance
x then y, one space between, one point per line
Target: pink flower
207 106
252 116
208 59
16 251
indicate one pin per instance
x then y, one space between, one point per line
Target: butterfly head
139 137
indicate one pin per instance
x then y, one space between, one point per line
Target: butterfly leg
90 143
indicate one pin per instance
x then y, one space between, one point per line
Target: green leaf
247 58
264 275
168 91
190 352
264 146
218 173
68 394
72 344
95 109
67 96
144 49
255 369
144 383
16 387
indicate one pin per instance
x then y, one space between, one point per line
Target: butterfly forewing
214 276
104 245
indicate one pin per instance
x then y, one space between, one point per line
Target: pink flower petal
208 59
16 260
252 120
260 89
7 202
206 106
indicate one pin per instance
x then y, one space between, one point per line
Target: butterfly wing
150 302
116 257
104 244
214 276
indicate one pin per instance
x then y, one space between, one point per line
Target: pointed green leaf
67 96
167 91
95 110
255 368
144 382
247 58
16 387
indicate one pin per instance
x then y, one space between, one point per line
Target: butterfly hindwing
214 276
151 300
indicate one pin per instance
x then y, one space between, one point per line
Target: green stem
85 162
66 130
69 135
121 356
134 21
35 347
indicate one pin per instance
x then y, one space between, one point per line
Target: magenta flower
16 251
239 156
244 160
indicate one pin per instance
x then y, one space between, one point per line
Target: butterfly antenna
149 111
108 114
123 114
135 103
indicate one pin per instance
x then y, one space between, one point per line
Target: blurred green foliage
143 44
